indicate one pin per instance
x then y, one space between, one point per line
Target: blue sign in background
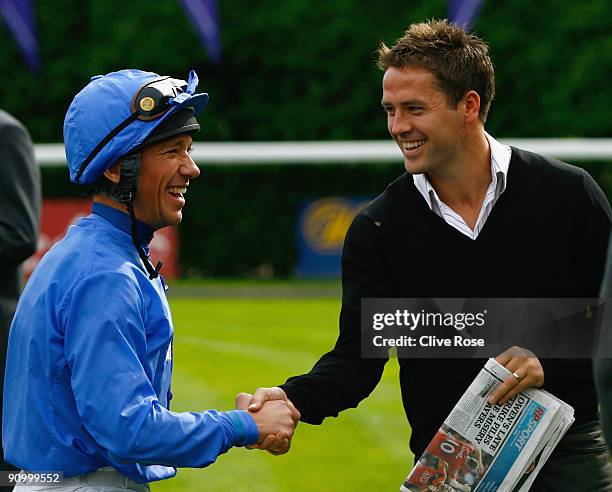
321 227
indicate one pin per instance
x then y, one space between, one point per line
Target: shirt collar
500 162
122 221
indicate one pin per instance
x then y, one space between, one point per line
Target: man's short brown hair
459 61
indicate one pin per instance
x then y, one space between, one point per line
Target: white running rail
348 152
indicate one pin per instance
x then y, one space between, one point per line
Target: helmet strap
153 272
125 192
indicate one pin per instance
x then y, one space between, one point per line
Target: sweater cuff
245 427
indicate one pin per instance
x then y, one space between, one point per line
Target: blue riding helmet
115 113
113 117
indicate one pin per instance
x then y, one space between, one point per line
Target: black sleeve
606 283
590 233
602 368
20 195
603 381
341 378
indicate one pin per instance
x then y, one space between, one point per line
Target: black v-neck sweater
546 237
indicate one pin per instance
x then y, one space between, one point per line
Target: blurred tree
296 71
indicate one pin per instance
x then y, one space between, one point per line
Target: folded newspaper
485 448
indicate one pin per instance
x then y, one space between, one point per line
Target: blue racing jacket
89 365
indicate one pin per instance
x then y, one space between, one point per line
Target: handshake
275 416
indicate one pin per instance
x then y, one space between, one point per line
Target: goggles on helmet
152 101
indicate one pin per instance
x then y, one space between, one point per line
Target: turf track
223 346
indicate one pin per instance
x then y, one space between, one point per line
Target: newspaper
486 448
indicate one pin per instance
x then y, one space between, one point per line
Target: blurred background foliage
298 70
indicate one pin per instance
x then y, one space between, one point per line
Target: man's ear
472 106
113 173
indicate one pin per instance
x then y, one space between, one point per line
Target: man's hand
274 442
526 371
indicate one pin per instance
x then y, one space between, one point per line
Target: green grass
224 346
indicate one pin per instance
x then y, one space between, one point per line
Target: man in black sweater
470 218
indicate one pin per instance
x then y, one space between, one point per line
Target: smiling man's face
419 119
165 170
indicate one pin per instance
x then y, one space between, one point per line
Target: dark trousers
579 462
7 310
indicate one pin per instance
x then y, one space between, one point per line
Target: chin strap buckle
155 272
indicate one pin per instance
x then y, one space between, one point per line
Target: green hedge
242 220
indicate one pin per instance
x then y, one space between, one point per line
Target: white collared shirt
500 161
